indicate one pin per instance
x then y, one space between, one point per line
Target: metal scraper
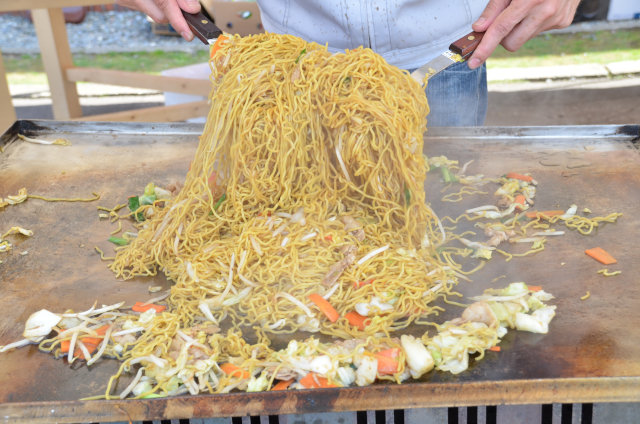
459 51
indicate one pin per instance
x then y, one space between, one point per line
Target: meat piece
504 202
195 353
208 329
336 270
283 373
174 188
349 345
480 312
348 249
498 236
353 227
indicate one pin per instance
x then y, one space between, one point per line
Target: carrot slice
495 348
601 255
212 180
359 284
216 46
91 343
324 306
143 307
520 201
66 344
357 320
521 177
387 362
283 385
392 352
315 381
543 214
234 371
534 288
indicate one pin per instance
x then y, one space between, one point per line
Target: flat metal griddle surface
592 352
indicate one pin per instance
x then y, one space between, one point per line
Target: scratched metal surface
591 354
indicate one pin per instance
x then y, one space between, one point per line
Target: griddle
591 354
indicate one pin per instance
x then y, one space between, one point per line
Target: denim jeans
457 97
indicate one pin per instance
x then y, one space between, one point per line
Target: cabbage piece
346 376
367 370
39 325
537 322
258 384
418 357
455 365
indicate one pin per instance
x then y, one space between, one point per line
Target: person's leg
457 97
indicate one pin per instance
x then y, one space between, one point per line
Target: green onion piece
447 175
119 241
150 190
300 55
219 202
134 205
407 195
152 396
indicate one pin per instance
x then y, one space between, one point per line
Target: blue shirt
406 33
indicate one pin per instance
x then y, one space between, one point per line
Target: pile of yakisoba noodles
308 179
303 211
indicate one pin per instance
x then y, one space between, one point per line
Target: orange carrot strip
600 255
392 352
314 381
216 46
520 201
283 385
534 288
143 307
495 348
212 180
356 320
96 340
65 344
543 214
234 371
516 176
359 284
92 340
387 364
324 306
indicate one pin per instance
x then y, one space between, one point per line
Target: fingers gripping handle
466 45
201 26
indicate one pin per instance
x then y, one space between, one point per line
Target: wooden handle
467 44
202 26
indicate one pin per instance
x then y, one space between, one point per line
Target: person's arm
514 22
163 11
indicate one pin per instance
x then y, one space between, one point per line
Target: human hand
163 11
514 22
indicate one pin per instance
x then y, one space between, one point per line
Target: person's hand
514 22
163 11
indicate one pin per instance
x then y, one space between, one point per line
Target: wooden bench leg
56 57
7 112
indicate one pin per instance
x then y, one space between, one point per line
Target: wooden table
48 19
591 354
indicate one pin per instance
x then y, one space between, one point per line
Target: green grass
28 69
545 50
600 47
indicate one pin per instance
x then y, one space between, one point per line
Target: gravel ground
128 31
100 32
